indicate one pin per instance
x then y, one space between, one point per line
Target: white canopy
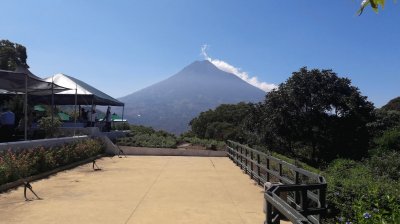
85 93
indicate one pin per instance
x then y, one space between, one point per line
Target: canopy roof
85 93
14 81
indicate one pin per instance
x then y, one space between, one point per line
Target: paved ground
141 189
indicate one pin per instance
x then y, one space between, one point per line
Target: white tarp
85 93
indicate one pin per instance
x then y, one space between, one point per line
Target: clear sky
123 46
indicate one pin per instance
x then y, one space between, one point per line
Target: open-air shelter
78 93
22 81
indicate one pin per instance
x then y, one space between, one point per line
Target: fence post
251 164
237 155
322 196
246 159
268 169
280 172
304 204
241 157
268 213
258 169
297 193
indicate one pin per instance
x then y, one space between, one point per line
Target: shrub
208 143
360 196
49 125
121 126
141 136
390 140
386 164
17 165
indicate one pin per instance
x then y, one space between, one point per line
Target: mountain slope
393 104
170 104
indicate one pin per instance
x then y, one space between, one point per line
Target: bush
17 165
360 196
390 140
121 126
208 143
141 136
49 125
386 165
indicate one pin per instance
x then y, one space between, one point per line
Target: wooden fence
293 193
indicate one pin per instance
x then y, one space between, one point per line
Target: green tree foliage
390 140
384 120
375 4
314 114
12 55
223 123
393 104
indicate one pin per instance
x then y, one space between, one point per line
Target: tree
384 120
223 123
12 55
315 115
373 3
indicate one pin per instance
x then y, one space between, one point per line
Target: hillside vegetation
141 136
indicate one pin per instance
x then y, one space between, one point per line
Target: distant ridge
170 104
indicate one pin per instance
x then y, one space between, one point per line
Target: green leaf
365 4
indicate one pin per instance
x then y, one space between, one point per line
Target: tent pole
91 113
76 102
123 110
26 109
52 100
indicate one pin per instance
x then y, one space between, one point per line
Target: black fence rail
293 193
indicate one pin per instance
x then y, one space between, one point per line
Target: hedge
28 162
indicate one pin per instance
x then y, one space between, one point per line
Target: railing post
304 204
241 157
237 155
297 193
268 212
280 172
322 196
245 159
258 169
268 169
251 163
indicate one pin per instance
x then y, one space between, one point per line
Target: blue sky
123 46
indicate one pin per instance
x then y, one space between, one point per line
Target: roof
14 81
86 94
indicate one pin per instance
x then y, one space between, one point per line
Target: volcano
172 103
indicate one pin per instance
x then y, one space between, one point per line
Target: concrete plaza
141 189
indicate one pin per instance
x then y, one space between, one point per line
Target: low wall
128 150
16 146
84 133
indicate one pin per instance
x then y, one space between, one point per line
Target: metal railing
295 194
